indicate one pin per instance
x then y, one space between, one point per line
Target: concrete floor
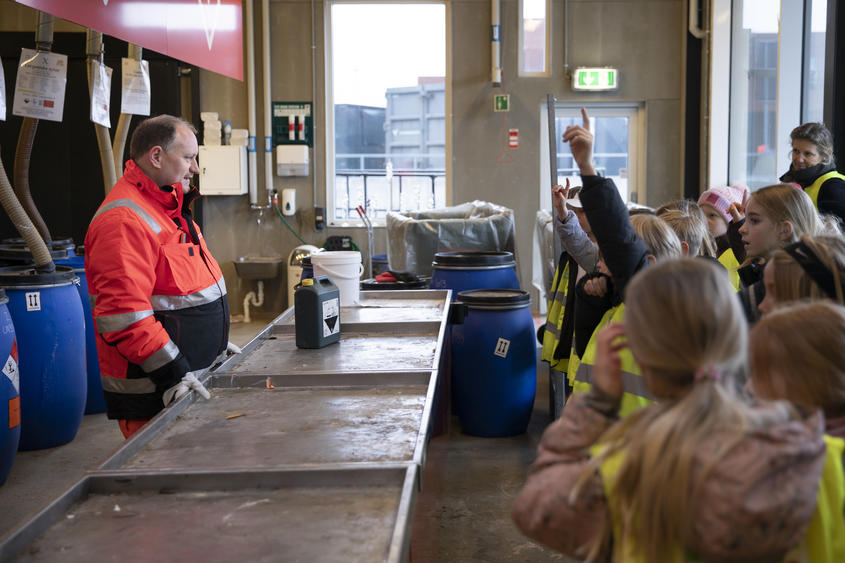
463 510
462 513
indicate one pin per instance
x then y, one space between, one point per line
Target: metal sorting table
299 454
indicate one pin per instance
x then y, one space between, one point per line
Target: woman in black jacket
814 169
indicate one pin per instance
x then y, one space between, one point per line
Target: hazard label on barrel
10 368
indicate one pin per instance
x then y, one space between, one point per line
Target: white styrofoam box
222 170
239 137
292 160
208 116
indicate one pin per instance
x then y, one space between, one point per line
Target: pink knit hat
721 197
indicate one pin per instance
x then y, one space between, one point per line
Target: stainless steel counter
300 455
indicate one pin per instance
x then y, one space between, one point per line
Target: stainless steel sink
258 267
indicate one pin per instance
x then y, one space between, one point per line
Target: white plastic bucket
344 267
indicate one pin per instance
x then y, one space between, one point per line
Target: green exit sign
595 79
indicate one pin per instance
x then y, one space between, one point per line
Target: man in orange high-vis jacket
157 295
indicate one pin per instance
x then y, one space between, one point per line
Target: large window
754 69
776 82
814 42
386 94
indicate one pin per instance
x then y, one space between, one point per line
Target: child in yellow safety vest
701 475
798 353
627 245
661 243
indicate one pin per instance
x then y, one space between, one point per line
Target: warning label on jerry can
331 316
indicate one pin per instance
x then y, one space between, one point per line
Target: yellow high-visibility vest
813 189
825 538
637 394
824 541
731 264
554 319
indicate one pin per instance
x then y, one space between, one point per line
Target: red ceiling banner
206 33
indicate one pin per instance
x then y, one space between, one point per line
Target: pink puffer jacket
755 504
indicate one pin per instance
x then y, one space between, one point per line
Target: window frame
728 163
634 111
546 45
328 107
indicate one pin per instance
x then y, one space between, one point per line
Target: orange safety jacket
158 297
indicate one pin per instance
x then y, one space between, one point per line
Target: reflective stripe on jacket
155 292
813 189
555 351
637 394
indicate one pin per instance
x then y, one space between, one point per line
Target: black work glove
170 374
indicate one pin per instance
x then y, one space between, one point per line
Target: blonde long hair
674 333
785 202
808 370
792 283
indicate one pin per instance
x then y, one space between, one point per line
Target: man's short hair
156 131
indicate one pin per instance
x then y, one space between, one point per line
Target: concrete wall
643 38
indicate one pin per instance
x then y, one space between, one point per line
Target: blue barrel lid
14 277
60 243
495 298
474 258
22 253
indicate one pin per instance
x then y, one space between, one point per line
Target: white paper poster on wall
135 97
40 86
100 93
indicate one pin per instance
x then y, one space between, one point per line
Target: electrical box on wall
222 170
293 123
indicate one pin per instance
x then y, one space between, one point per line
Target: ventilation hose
23 154
120 134
94 52
26 138
43 260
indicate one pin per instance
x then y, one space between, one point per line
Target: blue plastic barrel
95 402
468 269
10 402
50 329
495 362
